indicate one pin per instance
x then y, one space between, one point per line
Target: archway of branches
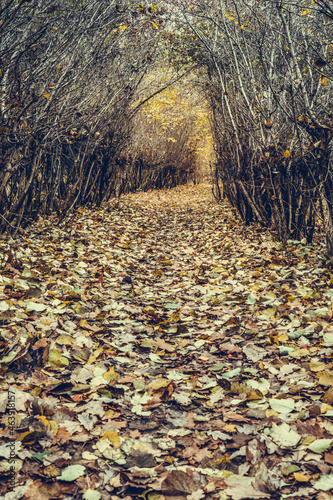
103 97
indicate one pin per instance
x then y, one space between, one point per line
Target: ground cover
159 348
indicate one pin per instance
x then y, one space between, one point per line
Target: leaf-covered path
160 349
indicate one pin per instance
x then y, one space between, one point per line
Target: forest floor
161 349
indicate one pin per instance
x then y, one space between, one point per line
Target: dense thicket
167 138
70 82
266 68
74 76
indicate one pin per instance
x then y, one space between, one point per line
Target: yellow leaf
326 379
271 413
230 428
94 356
254 395
325 407
301 478
110 375
308 440
24 434
54 427
44 420
299 353
155 26
150 310
287 154
324 81
159 383
46 95
305 12
59 69
113 437
56 359
317 366
109 413
122 27
83 323
30 437
51 471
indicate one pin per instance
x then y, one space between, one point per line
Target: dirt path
161 349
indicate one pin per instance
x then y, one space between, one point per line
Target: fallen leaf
71 473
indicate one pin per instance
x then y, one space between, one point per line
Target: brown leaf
190 451
239 440
40 491
328 396
202 454
328 457
190 420
63 435
141 459
242 487
178 482
164 345
40 343
235 417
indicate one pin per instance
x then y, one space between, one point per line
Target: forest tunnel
101 97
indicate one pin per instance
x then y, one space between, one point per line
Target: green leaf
9 357
282 405
325 483
284 436
155 358
3 305
26 273
328 339
35 306
41 455
251 299
290 469
217 367
71 473
320 445
232 373
92 495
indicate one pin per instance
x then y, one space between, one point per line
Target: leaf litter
161 349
